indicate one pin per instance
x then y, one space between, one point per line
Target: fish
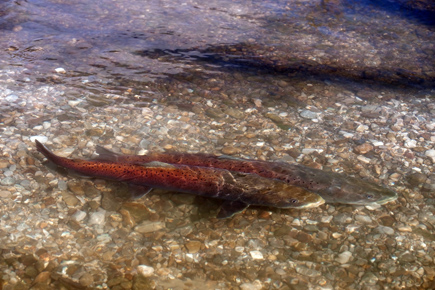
331 186
237 189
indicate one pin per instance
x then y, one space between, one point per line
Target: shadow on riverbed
422 12
245 57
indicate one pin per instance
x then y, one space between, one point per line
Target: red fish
239 190
333 187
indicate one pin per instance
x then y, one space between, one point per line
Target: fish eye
293 200
369 196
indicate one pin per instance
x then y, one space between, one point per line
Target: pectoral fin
137 191
230 208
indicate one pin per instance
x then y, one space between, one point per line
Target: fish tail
47 153
58 160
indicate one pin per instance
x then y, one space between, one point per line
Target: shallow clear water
105 45
340 85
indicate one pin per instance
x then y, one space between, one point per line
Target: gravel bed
59 230
337 85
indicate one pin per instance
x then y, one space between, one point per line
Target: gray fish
333 187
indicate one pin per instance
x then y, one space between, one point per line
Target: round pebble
145 271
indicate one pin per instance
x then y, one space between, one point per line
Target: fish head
360 192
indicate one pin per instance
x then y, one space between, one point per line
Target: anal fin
230 208
137 191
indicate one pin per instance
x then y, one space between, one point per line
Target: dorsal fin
106 154
156 164
230 158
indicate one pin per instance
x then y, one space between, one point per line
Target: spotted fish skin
241 189
333 187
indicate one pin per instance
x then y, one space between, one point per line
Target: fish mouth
313 204
387 199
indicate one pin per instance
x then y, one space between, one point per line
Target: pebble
363 148
307 272
70 199
3 163
78 216
5 194
344 257
144 270
11 98
257 103
363 218
362 128
404 229
377 143
326 219
430 153
256 255
41 139
311 150
149 227
234 113
60 70
229 150
193 246
97 218
7 181
86 280
43 278
416 178
410 143
363 159
385 230
369 279
307 114
256 285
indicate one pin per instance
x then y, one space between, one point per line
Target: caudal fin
47 153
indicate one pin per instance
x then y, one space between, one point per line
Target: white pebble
46 125
41 139
363 218
60 70
74 103
97 218
326 219
78 216
311 150
346 134
239 249
362 128
430 153
296 222
377 143
256 285
385 230
256 255
410 143
363 159
144 270
344 257
257 102
11 98
307 114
